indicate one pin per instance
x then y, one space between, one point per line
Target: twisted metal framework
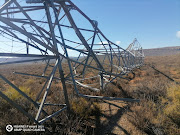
58 32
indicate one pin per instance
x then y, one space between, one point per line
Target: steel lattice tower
52 30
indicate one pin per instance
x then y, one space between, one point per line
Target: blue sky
155 23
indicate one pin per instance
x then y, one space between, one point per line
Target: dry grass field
157 113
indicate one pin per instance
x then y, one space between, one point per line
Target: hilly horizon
164 51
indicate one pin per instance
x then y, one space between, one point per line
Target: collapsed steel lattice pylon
53 30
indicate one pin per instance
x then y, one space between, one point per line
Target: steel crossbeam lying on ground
52 31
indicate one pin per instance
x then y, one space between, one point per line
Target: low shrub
162 117
15 95
171 111
151 90
84 108
173 108
142 116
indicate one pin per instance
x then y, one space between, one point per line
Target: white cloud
104 42
178 34
118 42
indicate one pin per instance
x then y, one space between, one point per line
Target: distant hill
2 60
162 51
147 52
